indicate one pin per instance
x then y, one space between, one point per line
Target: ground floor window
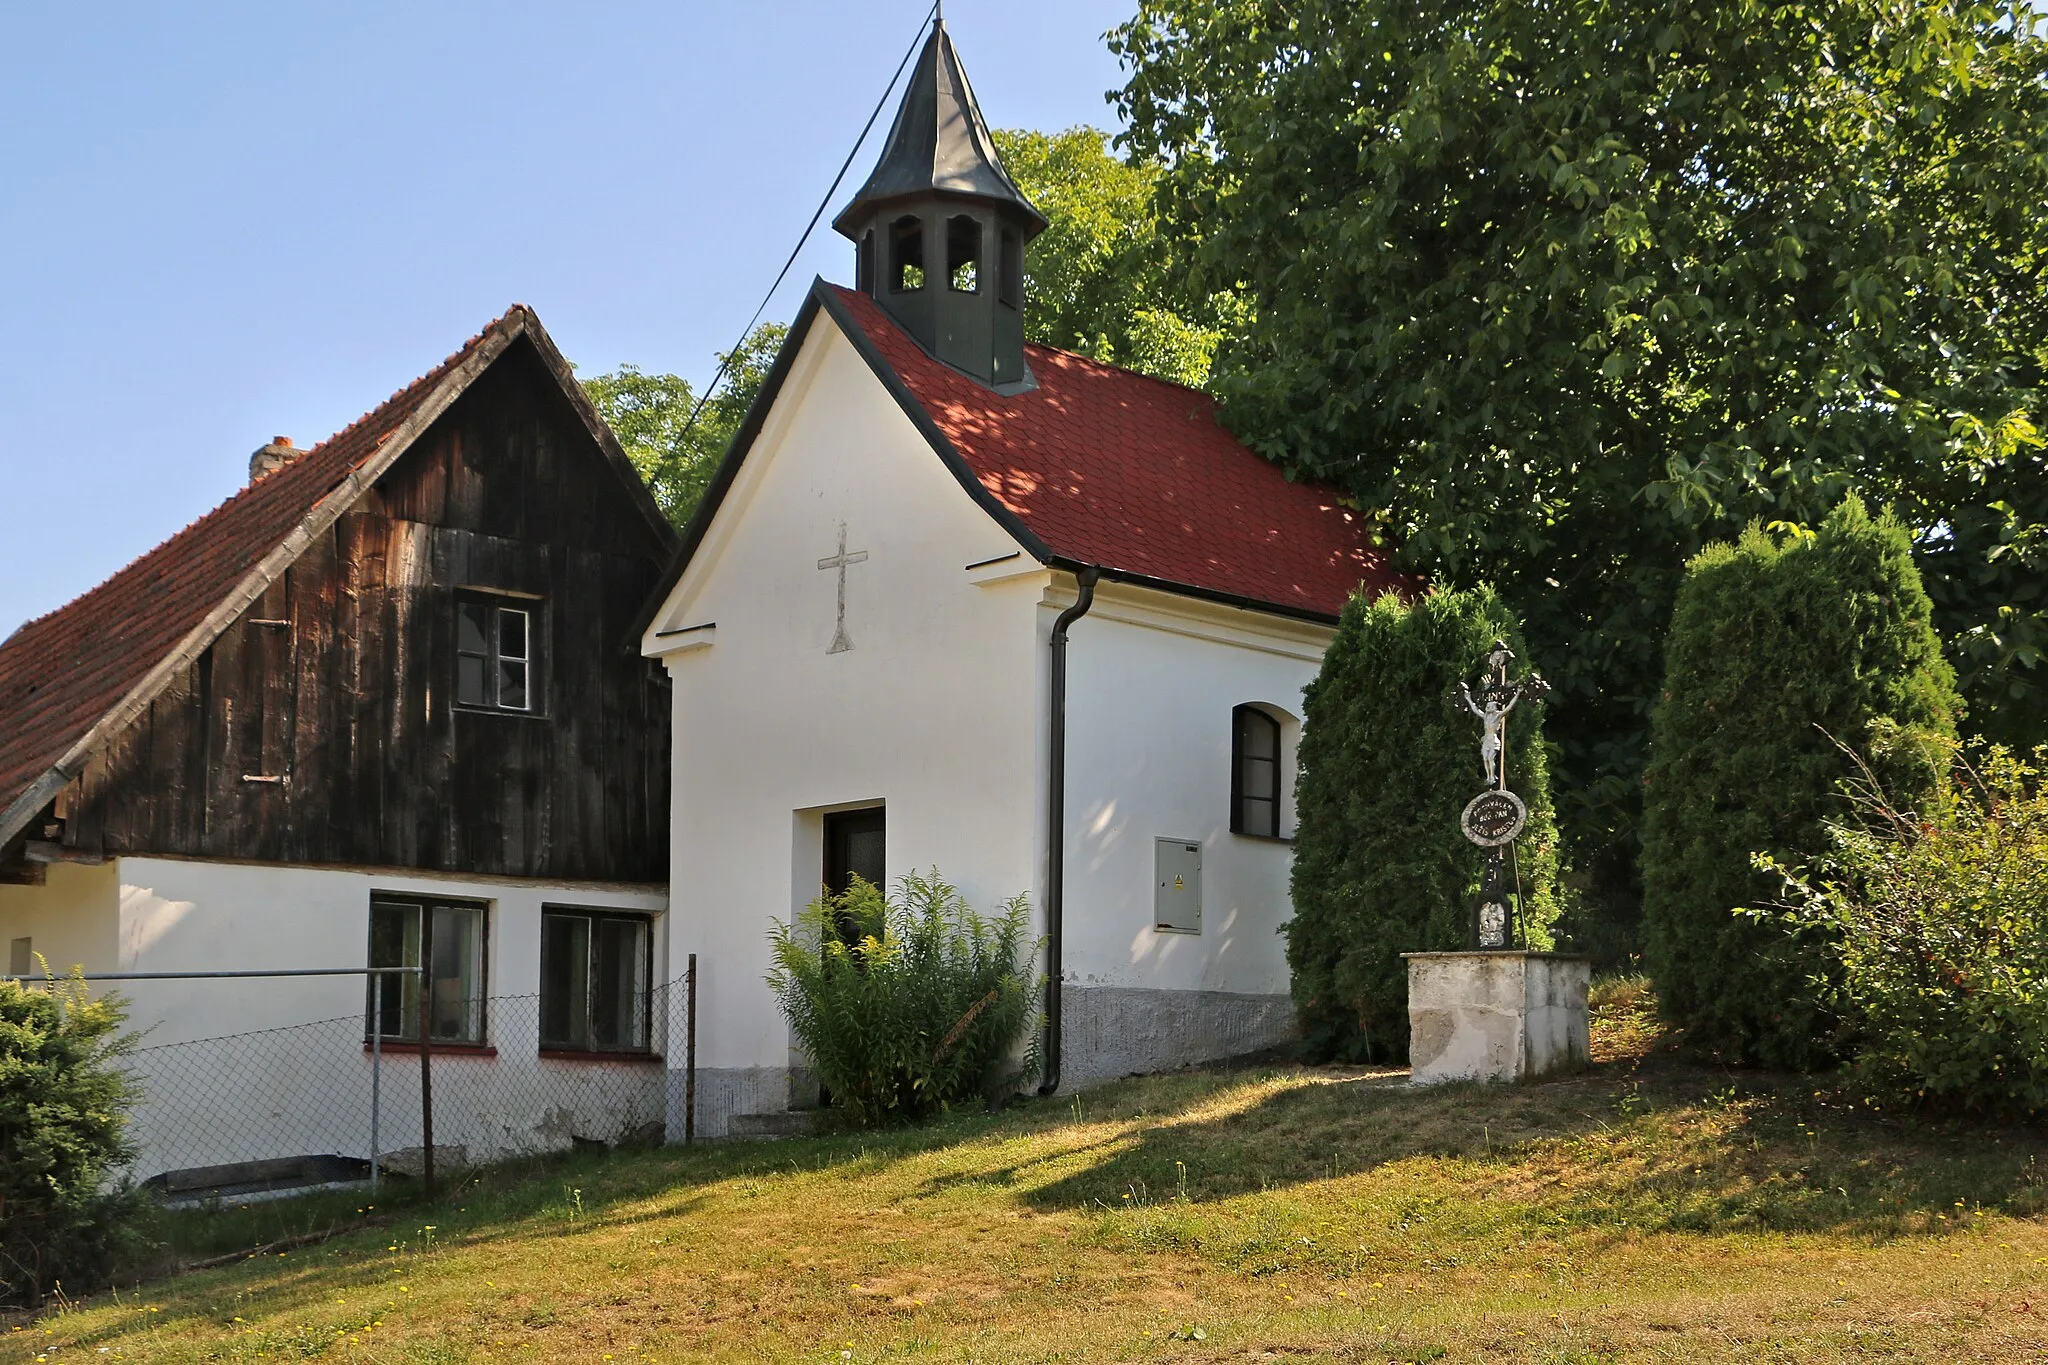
594 970
449 939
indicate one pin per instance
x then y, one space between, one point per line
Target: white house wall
245 1070
1152 682
69 920
932 713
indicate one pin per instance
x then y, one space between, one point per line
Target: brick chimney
273 457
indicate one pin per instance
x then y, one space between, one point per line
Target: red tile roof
62 673
1137 476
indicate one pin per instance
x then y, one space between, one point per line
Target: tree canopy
1561 291
650 414
1100 280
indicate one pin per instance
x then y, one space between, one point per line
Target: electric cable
725 361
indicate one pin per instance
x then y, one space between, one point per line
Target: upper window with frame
594 973
963 254
449 938
1254 772
497 664
906 254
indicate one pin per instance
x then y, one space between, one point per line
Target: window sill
393 1048
572 1054
1263 838
505 712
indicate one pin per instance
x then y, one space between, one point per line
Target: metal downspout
1056 824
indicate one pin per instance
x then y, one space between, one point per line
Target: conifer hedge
1387 763
1782 649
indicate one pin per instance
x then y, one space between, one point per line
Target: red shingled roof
62 673
1136 475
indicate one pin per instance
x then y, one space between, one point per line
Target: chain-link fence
332 1099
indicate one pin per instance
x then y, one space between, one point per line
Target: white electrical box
1177 890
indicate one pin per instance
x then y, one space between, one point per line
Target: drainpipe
1056 824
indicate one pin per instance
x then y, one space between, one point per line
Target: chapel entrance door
854 845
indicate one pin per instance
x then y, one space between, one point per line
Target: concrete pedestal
1496 1016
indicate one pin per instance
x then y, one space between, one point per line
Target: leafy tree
64 1219
1783 650
650 414
1099 280
1387 764
1565 290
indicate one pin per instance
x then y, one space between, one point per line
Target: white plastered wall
1152 681
244 1070
70 920
933 713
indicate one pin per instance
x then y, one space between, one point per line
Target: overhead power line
725 360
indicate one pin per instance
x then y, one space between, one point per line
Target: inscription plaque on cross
841 642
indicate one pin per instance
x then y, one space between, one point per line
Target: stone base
724 1093
1496 1016
1115 1031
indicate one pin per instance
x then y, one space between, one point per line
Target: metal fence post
376 1073
690 1056
427 1081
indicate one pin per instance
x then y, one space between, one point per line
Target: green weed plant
1936 923
908 1005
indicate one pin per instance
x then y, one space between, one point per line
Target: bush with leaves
65 1216
1387 763
908 1005
1780 646
1936 922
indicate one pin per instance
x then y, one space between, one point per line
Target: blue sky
221 223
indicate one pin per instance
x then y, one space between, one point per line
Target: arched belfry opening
940 229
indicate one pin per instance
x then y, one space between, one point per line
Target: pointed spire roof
939 143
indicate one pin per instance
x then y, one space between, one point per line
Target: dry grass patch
1645 1211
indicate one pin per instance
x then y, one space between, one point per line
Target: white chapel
958 601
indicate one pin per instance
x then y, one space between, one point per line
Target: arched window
1010 271
963 254
1254 773
864 263
906 254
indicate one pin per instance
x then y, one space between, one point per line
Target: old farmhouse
381 707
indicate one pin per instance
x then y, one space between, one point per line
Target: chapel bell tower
939 228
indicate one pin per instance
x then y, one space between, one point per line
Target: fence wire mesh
295 1105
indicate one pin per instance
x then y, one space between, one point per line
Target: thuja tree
1786 652
1387 763
65 1219
1569 290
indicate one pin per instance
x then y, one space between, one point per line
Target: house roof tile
1137 476
61 673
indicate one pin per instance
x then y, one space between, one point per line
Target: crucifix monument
841 642
1492 1013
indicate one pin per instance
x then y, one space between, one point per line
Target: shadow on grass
1660 1146
1246 1167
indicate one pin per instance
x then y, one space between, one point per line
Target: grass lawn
1648 1210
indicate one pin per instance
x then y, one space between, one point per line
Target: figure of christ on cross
841 642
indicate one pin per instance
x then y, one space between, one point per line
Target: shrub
1936 924
64 1218
1387 764
1779 646
908 1005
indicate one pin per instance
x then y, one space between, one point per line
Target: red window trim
570 1054
391 1047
